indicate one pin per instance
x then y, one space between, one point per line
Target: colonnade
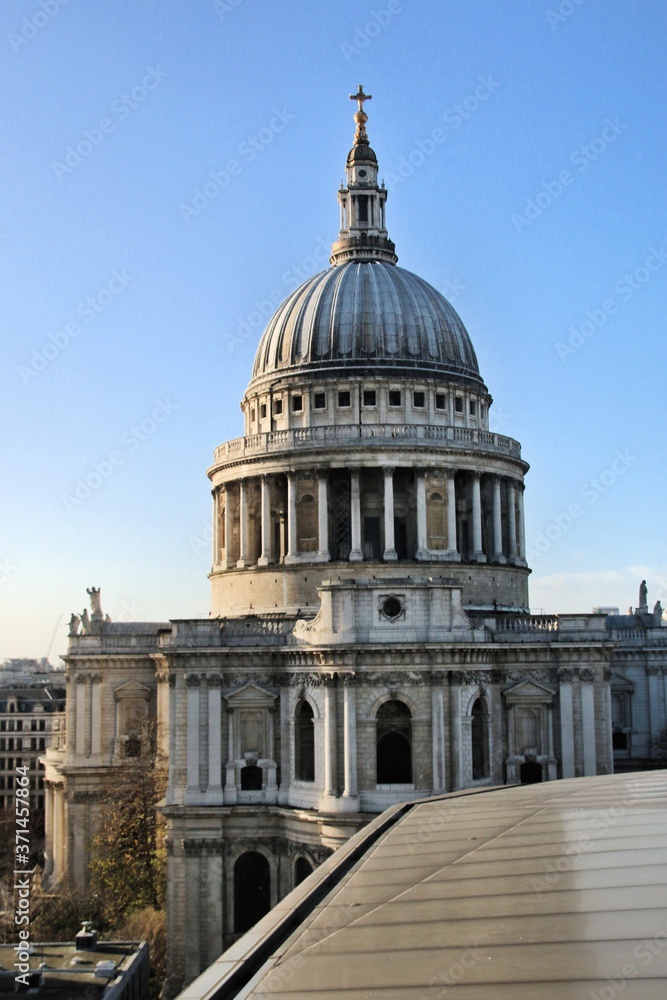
484 518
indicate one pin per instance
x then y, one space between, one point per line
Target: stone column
230 794
243 524
655 720
173 786
96 716
292 544
457 732
477 553
452 547
350 792
217 498
228 528
192 790
214 790
356 555
511 522
438 738
551 763
265 556
80 724
497 523
566 722
521 541
328 794
389 543
59 833
422 539
323 517
48 829
587 676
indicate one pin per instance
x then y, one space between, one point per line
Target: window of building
277 407
440 401
304 742
394 744
362 202
251 778
262 410
479 730
394 397
302 869
297 404
458 404
369 397
320 401
473 408
482 410
252 415
252 890
344 397
418 400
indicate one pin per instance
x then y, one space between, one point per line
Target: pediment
619 682
528 691
251 695
132 689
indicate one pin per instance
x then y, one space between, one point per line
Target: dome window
297 403
473 408
320 401
458 404
440 401
418 400
252 415
262 411
394 397
344 397
277 407
369 397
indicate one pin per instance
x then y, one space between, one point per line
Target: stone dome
366 315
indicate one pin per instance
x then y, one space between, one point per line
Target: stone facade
370 638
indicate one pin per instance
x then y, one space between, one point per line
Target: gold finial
360 117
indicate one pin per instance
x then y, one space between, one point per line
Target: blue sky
132 305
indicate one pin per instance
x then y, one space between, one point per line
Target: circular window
391 607
362 173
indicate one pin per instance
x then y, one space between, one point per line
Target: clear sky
523 143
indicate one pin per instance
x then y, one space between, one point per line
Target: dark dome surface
367 315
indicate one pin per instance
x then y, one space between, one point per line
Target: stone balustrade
367 435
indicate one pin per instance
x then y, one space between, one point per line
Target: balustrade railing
366 434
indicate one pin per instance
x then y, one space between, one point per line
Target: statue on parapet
657 613
85 622
74 623
643 596
95 603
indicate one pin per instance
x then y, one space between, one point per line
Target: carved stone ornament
192 680
587 674
565 674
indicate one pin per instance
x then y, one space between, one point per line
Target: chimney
86 939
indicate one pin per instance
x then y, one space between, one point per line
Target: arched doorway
479 732
394 744
252 890
251 778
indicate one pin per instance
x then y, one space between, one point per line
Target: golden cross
360 97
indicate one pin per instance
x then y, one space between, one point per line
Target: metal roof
542 892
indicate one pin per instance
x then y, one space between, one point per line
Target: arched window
394 744
302 869
251 778
307 523
304 742
479 731
252 890
436 521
